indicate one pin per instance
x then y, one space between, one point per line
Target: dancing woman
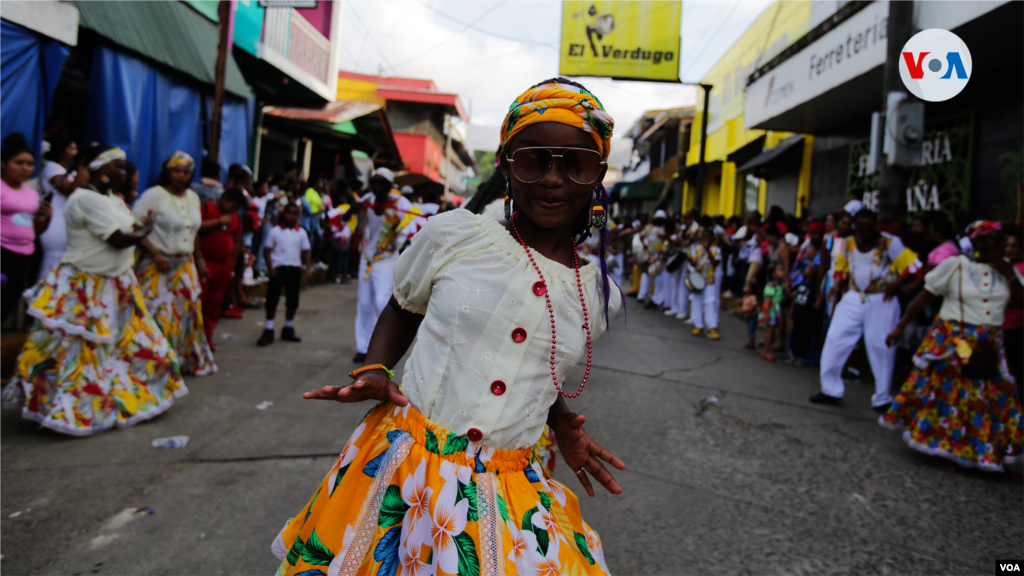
171 264
441 476
959 402
95 359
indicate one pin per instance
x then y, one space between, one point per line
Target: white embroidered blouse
983 292
481 357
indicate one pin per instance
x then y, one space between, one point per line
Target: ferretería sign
942 181
851 49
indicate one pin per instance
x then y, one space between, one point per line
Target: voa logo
935 65
1005 567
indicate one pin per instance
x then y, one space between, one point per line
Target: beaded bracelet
359 371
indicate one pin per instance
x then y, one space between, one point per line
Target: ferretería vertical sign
942 181
621 39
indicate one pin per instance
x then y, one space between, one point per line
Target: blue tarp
151 114
235 132
30 67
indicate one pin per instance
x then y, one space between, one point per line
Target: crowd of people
943 295
125 289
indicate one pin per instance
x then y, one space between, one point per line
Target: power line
485 32
366 32
443 42
715 33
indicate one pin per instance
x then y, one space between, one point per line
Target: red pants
214 288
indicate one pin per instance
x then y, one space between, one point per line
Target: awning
745 153
339 112
689 173
662 118
783 158
369 133
638 190
639 173
170 33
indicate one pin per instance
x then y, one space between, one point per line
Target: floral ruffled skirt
974 423
407 496
95 359
173 298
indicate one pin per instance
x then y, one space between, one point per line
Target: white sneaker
682 316
690 321
669 313
727 294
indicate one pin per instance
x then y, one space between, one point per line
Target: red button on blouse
518 335
474 434
497 387
539 288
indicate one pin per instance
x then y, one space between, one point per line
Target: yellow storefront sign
620 39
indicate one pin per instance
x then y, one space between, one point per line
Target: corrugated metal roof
170 33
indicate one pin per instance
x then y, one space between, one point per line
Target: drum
695 282
675 262
655 268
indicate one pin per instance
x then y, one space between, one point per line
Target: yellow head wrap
180 158
107 157
564 103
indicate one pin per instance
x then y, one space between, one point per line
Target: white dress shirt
475 285
287 245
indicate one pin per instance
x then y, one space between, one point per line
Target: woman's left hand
582 454
203 271
45 212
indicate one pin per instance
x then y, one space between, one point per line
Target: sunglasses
581 165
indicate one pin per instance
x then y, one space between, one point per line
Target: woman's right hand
895 335
372 385
225 219
163 263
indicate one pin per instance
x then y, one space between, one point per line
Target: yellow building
748 169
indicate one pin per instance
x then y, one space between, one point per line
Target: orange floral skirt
407 496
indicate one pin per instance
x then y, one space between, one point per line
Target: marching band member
706 258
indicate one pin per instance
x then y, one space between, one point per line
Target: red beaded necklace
551 312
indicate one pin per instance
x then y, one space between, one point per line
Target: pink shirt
947 249
17 208
1014 317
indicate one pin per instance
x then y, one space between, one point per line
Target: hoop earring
508 200
598 217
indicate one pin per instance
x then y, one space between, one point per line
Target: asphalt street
761 482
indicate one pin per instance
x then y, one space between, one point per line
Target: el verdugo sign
628 40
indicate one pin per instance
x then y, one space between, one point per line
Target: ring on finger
580 471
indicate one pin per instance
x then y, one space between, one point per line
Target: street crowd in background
125 289
932 314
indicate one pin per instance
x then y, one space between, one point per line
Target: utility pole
224 15
698 190
892 181
447 155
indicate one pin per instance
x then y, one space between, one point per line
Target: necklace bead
540 288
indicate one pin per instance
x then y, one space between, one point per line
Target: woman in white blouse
170 264
441 476
57 184
95 359
960 401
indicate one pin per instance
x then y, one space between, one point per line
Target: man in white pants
387 214
875 265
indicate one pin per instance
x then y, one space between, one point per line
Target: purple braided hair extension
605 237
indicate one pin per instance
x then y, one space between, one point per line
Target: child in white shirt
286 250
